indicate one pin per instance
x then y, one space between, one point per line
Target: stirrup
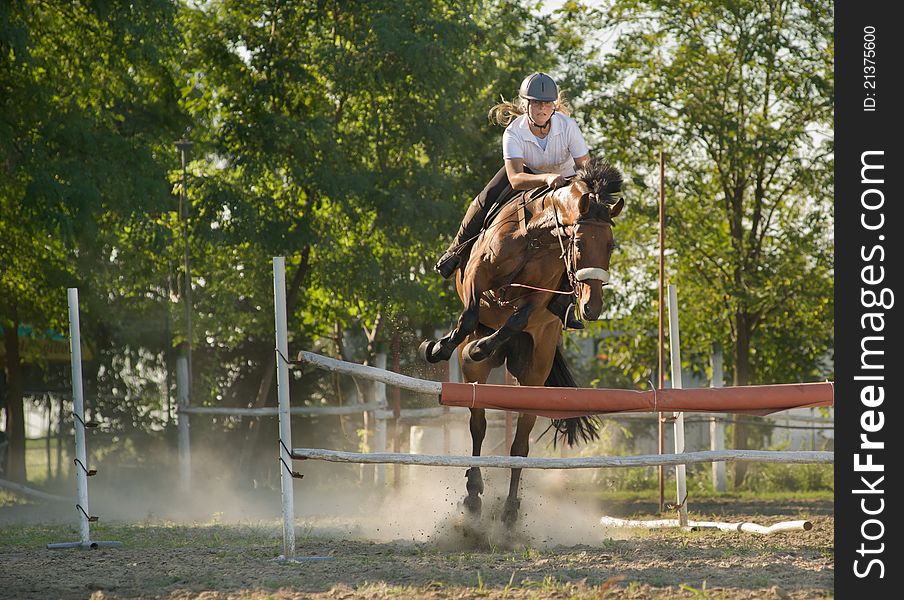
447 264
571 320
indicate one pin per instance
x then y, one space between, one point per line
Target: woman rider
541 146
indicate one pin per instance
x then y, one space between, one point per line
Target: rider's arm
579 161
514 168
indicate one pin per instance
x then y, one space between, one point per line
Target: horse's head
599 188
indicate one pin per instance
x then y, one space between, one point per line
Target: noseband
592 273
587 273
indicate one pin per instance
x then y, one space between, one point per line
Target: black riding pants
497 191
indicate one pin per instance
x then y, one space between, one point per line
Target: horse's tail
574 429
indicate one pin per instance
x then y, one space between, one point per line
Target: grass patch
143 535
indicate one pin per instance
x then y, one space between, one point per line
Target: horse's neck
552 210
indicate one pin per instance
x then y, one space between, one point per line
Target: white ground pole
285 422
81 453
27 491
716 424
745 527
675 353
184 434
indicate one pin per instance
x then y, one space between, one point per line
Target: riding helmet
539 86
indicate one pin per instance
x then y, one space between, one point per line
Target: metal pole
660 384
81 454
182 397
675 353
78 401
285 423
183 145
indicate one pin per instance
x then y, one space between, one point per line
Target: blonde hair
507 111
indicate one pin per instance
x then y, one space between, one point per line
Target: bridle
569 256
569 253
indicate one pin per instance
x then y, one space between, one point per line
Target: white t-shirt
564 144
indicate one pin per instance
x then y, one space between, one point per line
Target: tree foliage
349 137
739 95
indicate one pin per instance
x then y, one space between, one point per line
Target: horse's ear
584 204
616 208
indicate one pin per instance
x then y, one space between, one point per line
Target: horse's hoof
472 352
473 505
475 481
425 351
510 513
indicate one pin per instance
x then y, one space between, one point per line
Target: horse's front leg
472 501
481 349
442 349
520 447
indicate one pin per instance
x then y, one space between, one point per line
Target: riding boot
563 307
467 233
497 189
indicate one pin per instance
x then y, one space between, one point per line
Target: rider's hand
554 180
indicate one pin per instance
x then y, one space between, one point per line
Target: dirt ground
413 550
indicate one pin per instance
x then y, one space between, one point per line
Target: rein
565 255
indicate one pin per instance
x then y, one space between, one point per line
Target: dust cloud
339 501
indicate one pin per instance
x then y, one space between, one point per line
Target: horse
514 270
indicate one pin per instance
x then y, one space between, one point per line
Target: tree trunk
741 377
15 409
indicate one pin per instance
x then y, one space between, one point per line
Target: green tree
739 95
348 137
85 100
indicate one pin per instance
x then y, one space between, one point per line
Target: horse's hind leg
520 447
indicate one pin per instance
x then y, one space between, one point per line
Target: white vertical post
285 424
716 425
78 408
380 428
184 437
81 453
455 369
447 434
675 353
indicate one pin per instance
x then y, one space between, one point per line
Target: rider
541 146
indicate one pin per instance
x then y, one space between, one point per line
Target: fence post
379 391
675 352
182 396
282 391
716 424
446 375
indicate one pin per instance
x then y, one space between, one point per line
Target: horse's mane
604 183
601 178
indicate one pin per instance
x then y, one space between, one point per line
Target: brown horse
514 270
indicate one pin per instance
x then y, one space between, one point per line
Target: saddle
521 196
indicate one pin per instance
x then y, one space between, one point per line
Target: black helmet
539 86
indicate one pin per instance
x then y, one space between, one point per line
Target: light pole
183 145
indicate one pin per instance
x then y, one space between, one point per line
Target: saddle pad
509 196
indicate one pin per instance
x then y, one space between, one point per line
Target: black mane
602 179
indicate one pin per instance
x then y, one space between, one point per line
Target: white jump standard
82 472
